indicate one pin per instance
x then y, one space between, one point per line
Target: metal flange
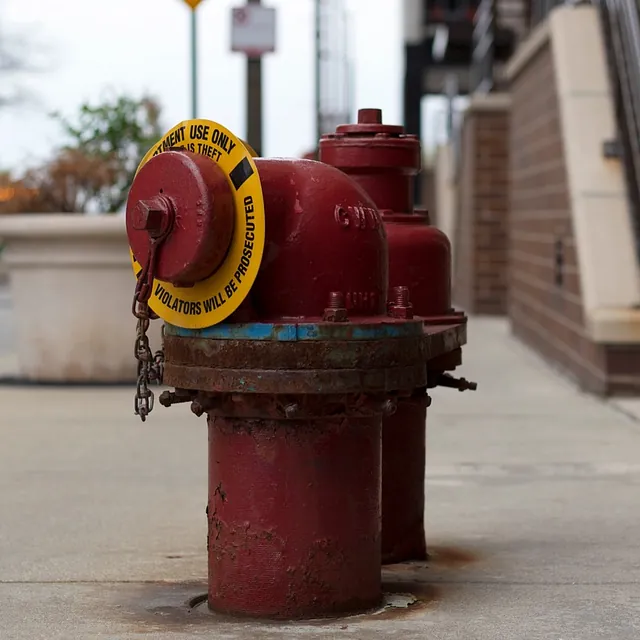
306 358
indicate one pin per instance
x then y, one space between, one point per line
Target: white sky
140 46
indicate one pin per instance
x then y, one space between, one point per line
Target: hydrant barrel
403 494
294 519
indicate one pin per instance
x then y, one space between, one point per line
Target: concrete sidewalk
533 514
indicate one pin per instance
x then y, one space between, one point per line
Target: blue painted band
303 331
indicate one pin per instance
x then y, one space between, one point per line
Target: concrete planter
71 286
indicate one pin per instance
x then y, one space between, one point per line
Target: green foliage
112 137
93 171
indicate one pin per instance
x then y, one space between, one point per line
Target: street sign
253 30
193 3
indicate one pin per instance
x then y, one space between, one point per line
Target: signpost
333 81
253 32
193 5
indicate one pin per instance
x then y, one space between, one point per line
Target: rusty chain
150 365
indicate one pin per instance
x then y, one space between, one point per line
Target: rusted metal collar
378 356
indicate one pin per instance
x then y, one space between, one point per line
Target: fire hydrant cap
370 122
371 145
191 195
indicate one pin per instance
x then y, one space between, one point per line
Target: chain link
150 365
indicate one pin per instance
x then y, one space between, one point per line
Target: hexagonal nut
197 408
148 216
166 398
335 315
403 312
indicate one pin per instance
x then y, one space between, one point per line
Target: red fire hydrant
271 277
384 160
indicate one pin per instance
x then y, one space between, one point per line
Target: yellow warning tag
250 149
212 300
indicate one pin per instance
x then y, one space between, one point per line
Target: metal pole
414 75
254 100
194 64
348 98
318 70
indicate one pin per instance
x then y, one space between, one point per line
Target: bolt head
336 300
335 315
147 217
404 312
369 116
389 407
197 408
291 410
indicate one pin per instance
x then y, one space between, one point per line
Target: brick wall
545 298
481 252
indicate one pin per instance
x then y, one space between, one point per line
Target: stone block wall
547 277
481 235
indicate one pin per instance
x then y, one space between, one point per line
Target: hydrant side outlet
200 237
324 235
199 269
403 496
